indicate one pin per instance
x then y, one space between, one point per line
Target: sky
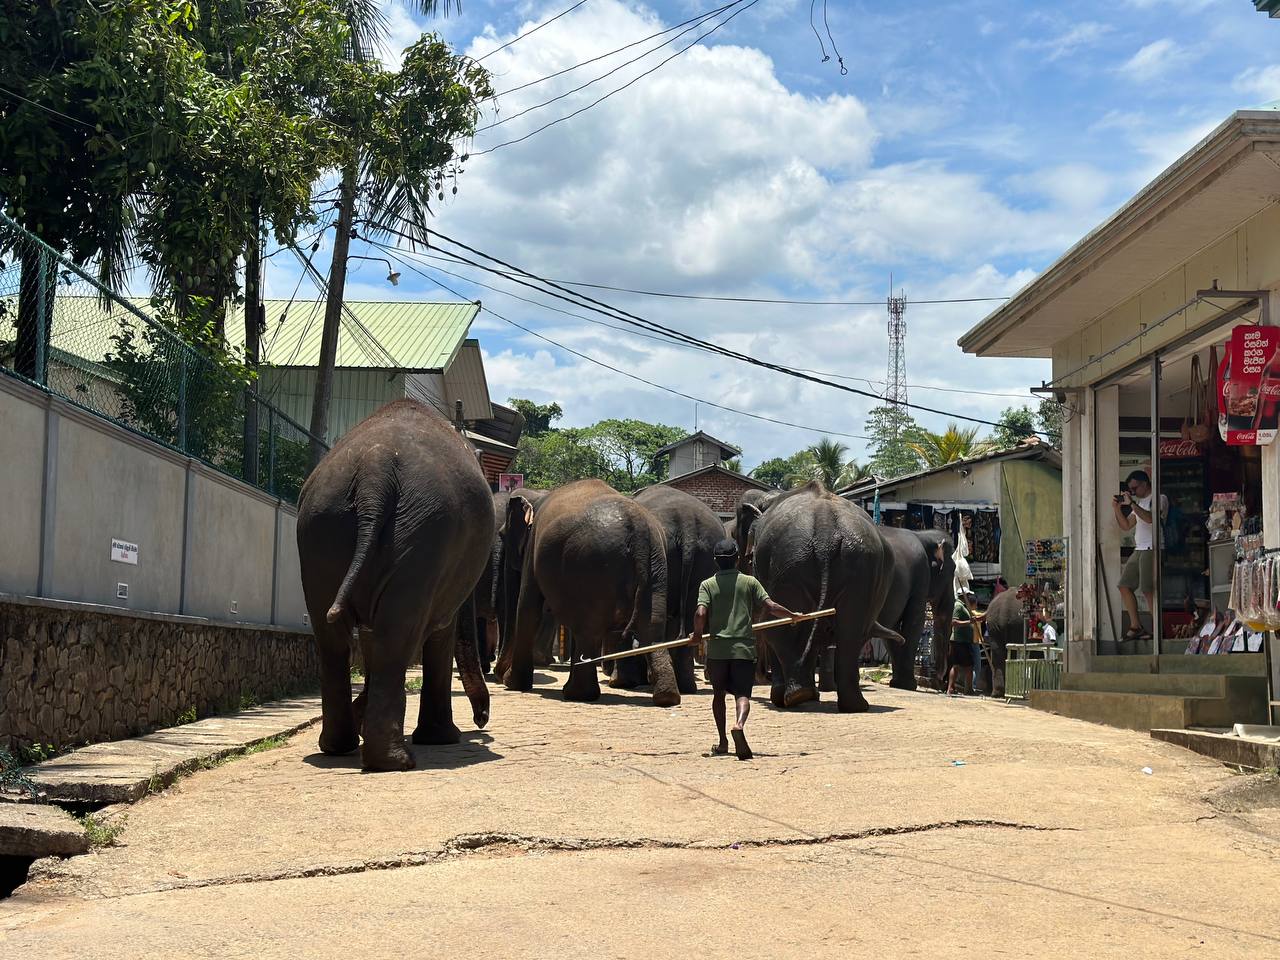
968 145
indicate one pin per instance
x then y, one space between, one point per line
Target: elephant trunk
467 654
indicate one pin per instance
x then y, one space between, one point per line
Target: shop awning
1229 176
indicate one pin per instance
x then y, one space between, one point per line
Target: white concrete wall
982 484
70 482
22 423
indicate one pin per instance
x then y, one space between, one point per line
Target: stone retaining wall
72 674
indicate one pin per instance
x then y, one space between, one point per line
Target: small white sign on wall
124 552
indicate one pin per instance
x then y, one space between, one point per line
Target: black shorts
960 654
736 677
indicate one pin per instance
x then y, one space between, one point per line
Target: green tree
630 448
1015 425
776 470
828 461
735 464
893 430
558 457
1049 417
538 417
937 449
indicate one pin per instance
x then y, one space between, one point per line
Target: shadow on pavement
473 750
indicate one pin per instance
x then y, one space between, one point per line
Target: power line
631 319
610 53
607 74
531 30
49 110
632 376
873 384
785 301
629 83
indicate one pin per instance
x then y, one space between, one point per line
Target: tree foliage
538 417
893 431
955 443
1049 417
1015 425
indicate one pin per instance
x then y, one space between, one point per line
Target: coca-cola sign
1249 387
1176 449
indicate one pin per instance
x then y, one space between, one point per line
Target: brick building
717 487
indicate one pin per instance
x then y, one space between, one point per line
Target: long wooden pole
669 644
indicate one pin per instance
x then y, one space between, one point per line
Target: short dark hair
1140 476
726 563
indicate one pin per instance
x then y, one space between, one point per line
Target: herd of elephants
401 539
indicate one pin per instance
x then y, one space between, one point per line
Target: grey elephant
1003 625
395 525
923 575
499 587
597 561
692 531
750 508
814 550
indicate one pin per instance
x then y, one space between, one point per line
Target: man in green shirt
727 606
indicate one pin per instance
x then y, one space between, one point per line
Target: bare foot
740 744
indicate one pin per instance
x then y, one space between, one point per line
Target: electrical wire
605 56
419 255
530 31
634 80
49 110
631 319
606 75
632 376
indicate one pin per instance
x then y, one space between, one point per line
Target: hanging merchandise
1196 427
1248 387
963 574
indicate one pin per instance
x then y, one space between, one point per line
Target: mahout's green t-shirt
961 632
732 599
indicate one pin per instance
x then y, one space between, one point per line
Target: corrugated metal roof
414 335
465 381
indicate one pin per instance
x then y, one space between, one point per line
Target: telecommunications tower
895 388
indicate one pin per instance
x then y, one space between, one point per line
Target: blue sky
968 146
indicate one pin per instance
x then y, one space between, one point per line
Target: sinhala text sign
1249 387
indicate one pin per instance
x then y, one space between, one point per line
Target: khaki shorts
1137 573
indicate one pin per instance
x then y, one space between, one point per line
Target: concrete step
1150 711
37 830
1175 684
1237 751
1235 664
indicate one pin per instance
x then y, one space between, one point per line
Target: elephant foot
393 757
854 704
582 688
338 744
778 695
903 684
666 698
687 685
798 695
518 680
619 682
437 734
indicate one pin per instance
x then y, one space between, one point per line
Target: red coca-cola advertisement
1249 387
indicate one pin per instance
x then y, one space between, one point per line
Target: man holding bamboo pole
727 605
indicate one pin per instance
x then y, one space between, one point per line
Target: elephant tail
373 501
824 585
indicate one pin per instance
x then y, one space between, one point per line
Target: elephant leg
387 653
543 644
903 655
666 692
793 672
583 684
777 679
852 633
682 661
529 616
629 672
435 705
339 731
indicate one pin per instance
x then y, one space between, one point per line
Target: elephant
814 550
751 506
395 525
923 573
499 588
692 530
1003 625
597 560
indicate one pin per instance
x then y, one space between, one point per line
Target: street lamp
393 275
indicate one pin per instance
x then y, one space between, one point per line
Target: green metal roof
1270 7
413 335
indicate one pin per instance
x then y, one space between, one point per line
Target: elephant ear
519 523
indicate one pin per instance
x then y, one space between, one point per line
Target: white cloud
1154 60
1078 37
403 30
1263 83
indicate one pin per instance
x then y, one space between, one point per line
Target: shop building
1135 317
1000 499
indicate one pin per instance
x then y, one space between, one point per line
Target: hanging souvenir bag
1196 427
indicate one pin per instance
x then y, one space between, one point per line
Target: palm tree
853 472
938 449
735 464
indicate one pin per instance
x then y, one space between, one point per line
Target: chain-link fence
127 360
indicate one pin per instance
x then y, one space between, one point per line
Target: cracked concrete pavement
603 830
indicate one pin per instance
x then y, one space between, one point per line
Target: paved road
602 830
